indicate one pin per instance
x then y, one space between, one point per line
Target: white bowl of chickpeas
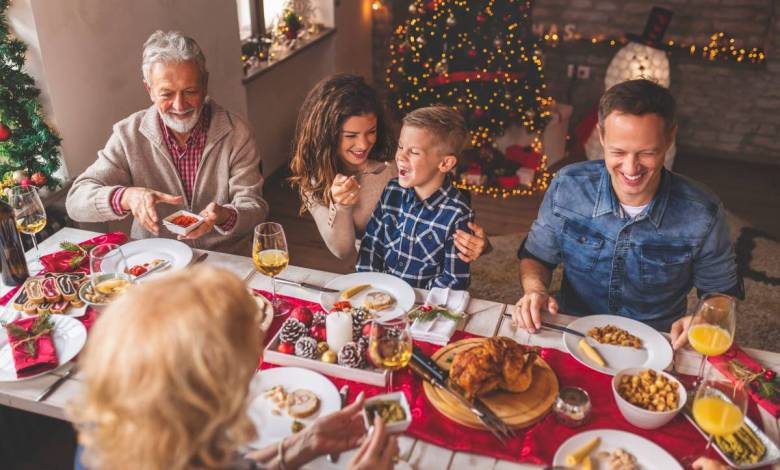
647 398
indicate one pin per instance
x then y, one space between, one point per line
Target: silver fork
375 171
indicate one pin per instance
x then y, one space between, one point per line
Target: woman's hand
470 246
334 433
378 452
344 190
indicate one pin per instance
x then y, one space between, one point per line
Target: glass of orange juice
719 407
711 331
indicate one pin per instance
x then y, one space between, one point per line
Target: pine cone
350 356
359 317
306 347
363 346
318 319
292 329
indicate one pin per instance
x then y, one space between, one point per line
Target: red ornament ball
302 314
769 375
286 348
5 132
318 332
366 329
38 179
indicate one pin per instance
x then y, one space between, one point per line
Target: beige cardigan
136 155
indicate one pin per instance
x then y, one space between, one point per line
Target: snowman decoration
642 57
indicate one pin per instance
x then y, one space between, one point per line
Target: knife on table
306 285
553 326
343 392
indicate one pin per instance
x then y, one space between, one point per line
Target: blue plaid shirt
414 239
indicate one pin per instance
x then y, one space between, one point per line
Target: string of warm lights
721 47
482 59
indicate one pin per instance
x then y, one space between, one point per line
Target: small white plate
398 288
648 454
148 249
69 337
9 310
271 428
656 352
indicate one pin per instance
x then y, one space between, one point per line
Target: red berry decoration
318 332
302 314
25 183
5 132
754 385
769 375
38 179
286 348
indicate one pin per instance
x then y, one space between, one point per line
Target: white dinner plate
270 427
148 249
9 311
396 287
649 455
69 337
655 353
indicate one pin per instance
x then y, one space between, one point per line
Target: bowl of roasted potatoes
647 398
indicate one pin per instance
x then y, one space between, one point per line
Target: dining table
484 318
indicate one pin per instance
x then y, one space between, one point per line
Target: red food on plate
184 220
137 270
341 305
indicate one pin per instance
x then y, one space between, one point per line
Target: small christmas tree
29 148
482 58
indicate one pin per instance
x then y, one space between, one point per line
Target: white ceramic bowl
641 417
179 230
395 427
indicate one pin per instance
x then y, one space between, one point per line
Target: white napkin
439 330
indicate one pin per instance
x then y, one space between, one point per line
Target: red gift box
525 156
45 356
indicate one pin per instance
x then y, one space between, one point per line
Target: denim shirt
641 267
414 239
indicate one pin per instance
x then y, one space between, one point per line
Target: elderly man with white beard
183 152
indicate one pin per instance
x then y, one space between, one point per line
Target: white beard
182 126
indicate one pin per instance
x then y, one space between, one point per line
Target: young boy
411 232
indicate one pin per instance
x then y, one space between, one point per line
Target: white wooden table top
485 319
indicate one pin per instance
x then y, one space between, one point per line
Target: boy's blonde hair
167 370
445 123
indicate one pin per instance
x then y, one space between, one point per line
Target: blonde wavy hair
167 370
315 160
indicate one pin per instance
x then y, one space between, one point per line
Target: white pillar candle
338 328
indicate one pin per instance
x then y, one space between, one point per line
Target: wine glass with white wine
269 253
390 345
29 213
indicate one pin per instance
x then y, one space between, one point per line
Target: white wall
275 96
91 54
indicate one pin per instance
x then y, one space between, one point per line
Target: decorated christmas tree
480 57
29 148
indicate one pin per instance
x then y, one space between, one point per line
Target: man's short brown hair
445 123
638 97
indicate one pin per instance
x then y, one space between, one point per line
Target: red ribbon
456 77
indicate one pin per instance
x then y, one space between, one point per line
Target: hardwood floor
751 191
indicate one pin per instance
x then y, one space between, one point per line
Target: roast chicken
498 362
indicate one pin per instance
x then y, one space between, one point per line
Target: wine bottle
12 260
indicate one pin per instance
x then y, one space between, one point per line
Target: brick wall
727 111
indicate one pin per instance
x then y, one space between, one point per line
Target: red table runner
538 443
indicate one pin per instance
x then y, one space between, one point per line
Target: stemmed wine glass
719 408
108 269
269 253
390 345
29 213
711 331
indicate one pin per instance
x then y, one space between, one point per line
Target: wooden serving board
517 410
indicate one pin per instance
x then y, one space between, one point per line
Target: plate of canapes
384 295
55 293
614 343
610 448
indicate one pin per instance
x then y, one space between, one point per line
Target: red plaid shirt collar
187 158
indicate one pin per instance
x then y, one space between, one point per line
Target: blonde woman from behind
167 370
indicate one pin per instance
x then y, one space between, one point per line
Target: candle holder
572 407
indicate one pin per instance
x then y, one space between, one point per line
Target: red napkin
722 364
60 261
46 355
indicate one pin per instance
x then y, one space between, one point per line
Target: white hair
172 46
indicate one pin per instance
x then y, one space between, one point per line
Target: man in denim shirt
633 237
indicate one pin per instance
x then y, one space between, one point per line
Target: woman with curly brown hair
167 372
343 157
